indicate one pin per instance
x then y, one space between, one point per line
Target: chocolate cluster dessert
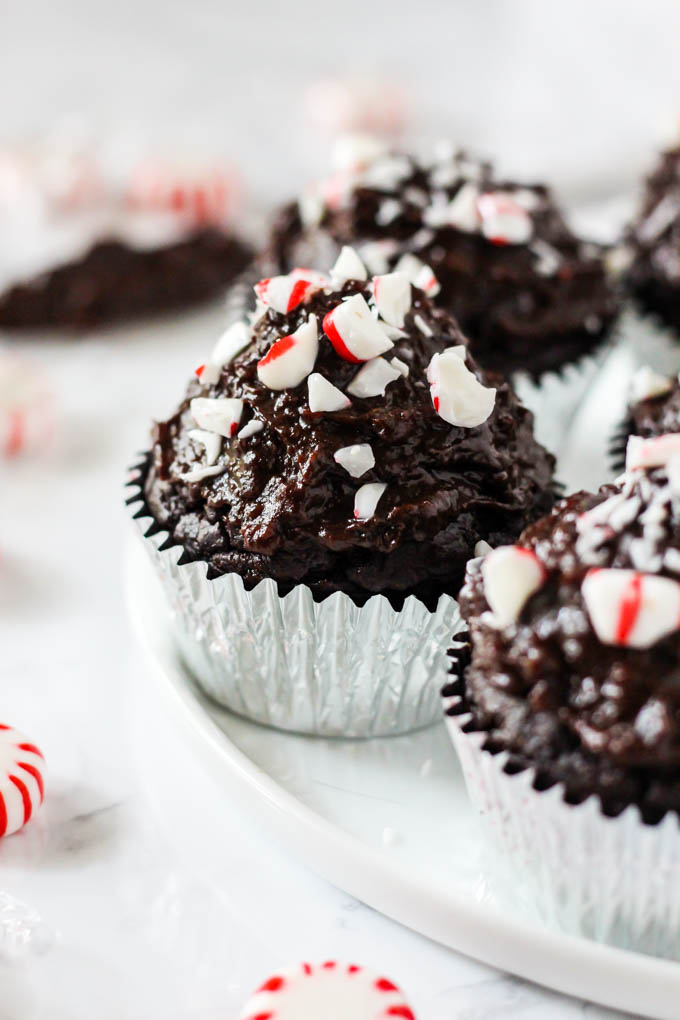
652 243
344 438
574 648
530 295
653 410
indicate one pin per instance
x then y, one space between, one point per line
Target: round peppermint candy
332 991
26 410
22 769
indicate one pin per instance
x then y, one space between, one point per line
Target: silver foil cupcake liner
556 397
614 880
327 668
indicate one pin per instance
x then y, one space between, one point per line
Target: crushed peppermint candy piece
504 219
461 212
329 990
373 378
377 254
631 609
388 212
199 474
400 366
392 296
387 172
366 500
210 441
418 273
348 266
284 293
232 342
647 383
324 396
482 548
290 360
511 576
457 395
419 321
356 460
217 414
251 428
655 452
22 785
354 333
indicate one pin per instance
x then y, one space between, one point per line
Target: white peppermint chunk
458 396
290 360
348 266
655 452
373 378
284 293
462 212
367 499
389 209
631 609
231 343
377 254
511 575
354 333
392 296
356 460
199 474
647 383
217 414
251 429
324 396
418 273
400 366
427 282
387 172
504 220
419 321
211 441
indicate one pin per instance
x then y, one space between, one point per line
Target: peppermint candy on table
392 296
374 377
354 333
22 787
631 609
457 395
646 383
651 453
356 459
284 293
348 266
366 500
290 360
511 575
418 273
327 991
198 194
231 343
504 219
324 396
217 414
26 407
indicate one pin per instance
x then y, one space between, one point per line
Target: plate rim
573 965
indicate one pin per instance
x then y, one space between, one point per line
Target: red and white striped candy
354 333
392 296
511 575
327 991
26 407
200 195
457 395
22 787
284 293
651 453
290 360
631 609
217 414
504 220
418 273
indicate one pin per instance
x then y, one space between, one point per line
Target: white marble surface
143 892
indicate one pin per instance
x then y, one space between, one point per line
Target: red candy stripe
629 609
337 341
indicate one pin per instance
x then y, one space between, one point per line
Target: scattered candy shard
631 609
291 359
373 378
217 414
324 396
348 266
511 576
356 459
210 441
251 428
504 220
366 500
392 296
354 333
457 395
655 452
22 784
284 293
327 991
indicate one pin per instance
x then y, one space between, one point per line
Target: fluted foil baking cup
650 342
328 668
614 880
556 397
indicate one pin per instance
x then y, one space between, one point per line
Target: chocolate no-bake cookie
531 295
574 649
653 410
346 440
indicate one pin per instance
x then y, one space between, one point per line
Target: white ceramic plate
388 821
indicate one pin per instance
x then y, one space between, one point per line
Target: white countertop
137 891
